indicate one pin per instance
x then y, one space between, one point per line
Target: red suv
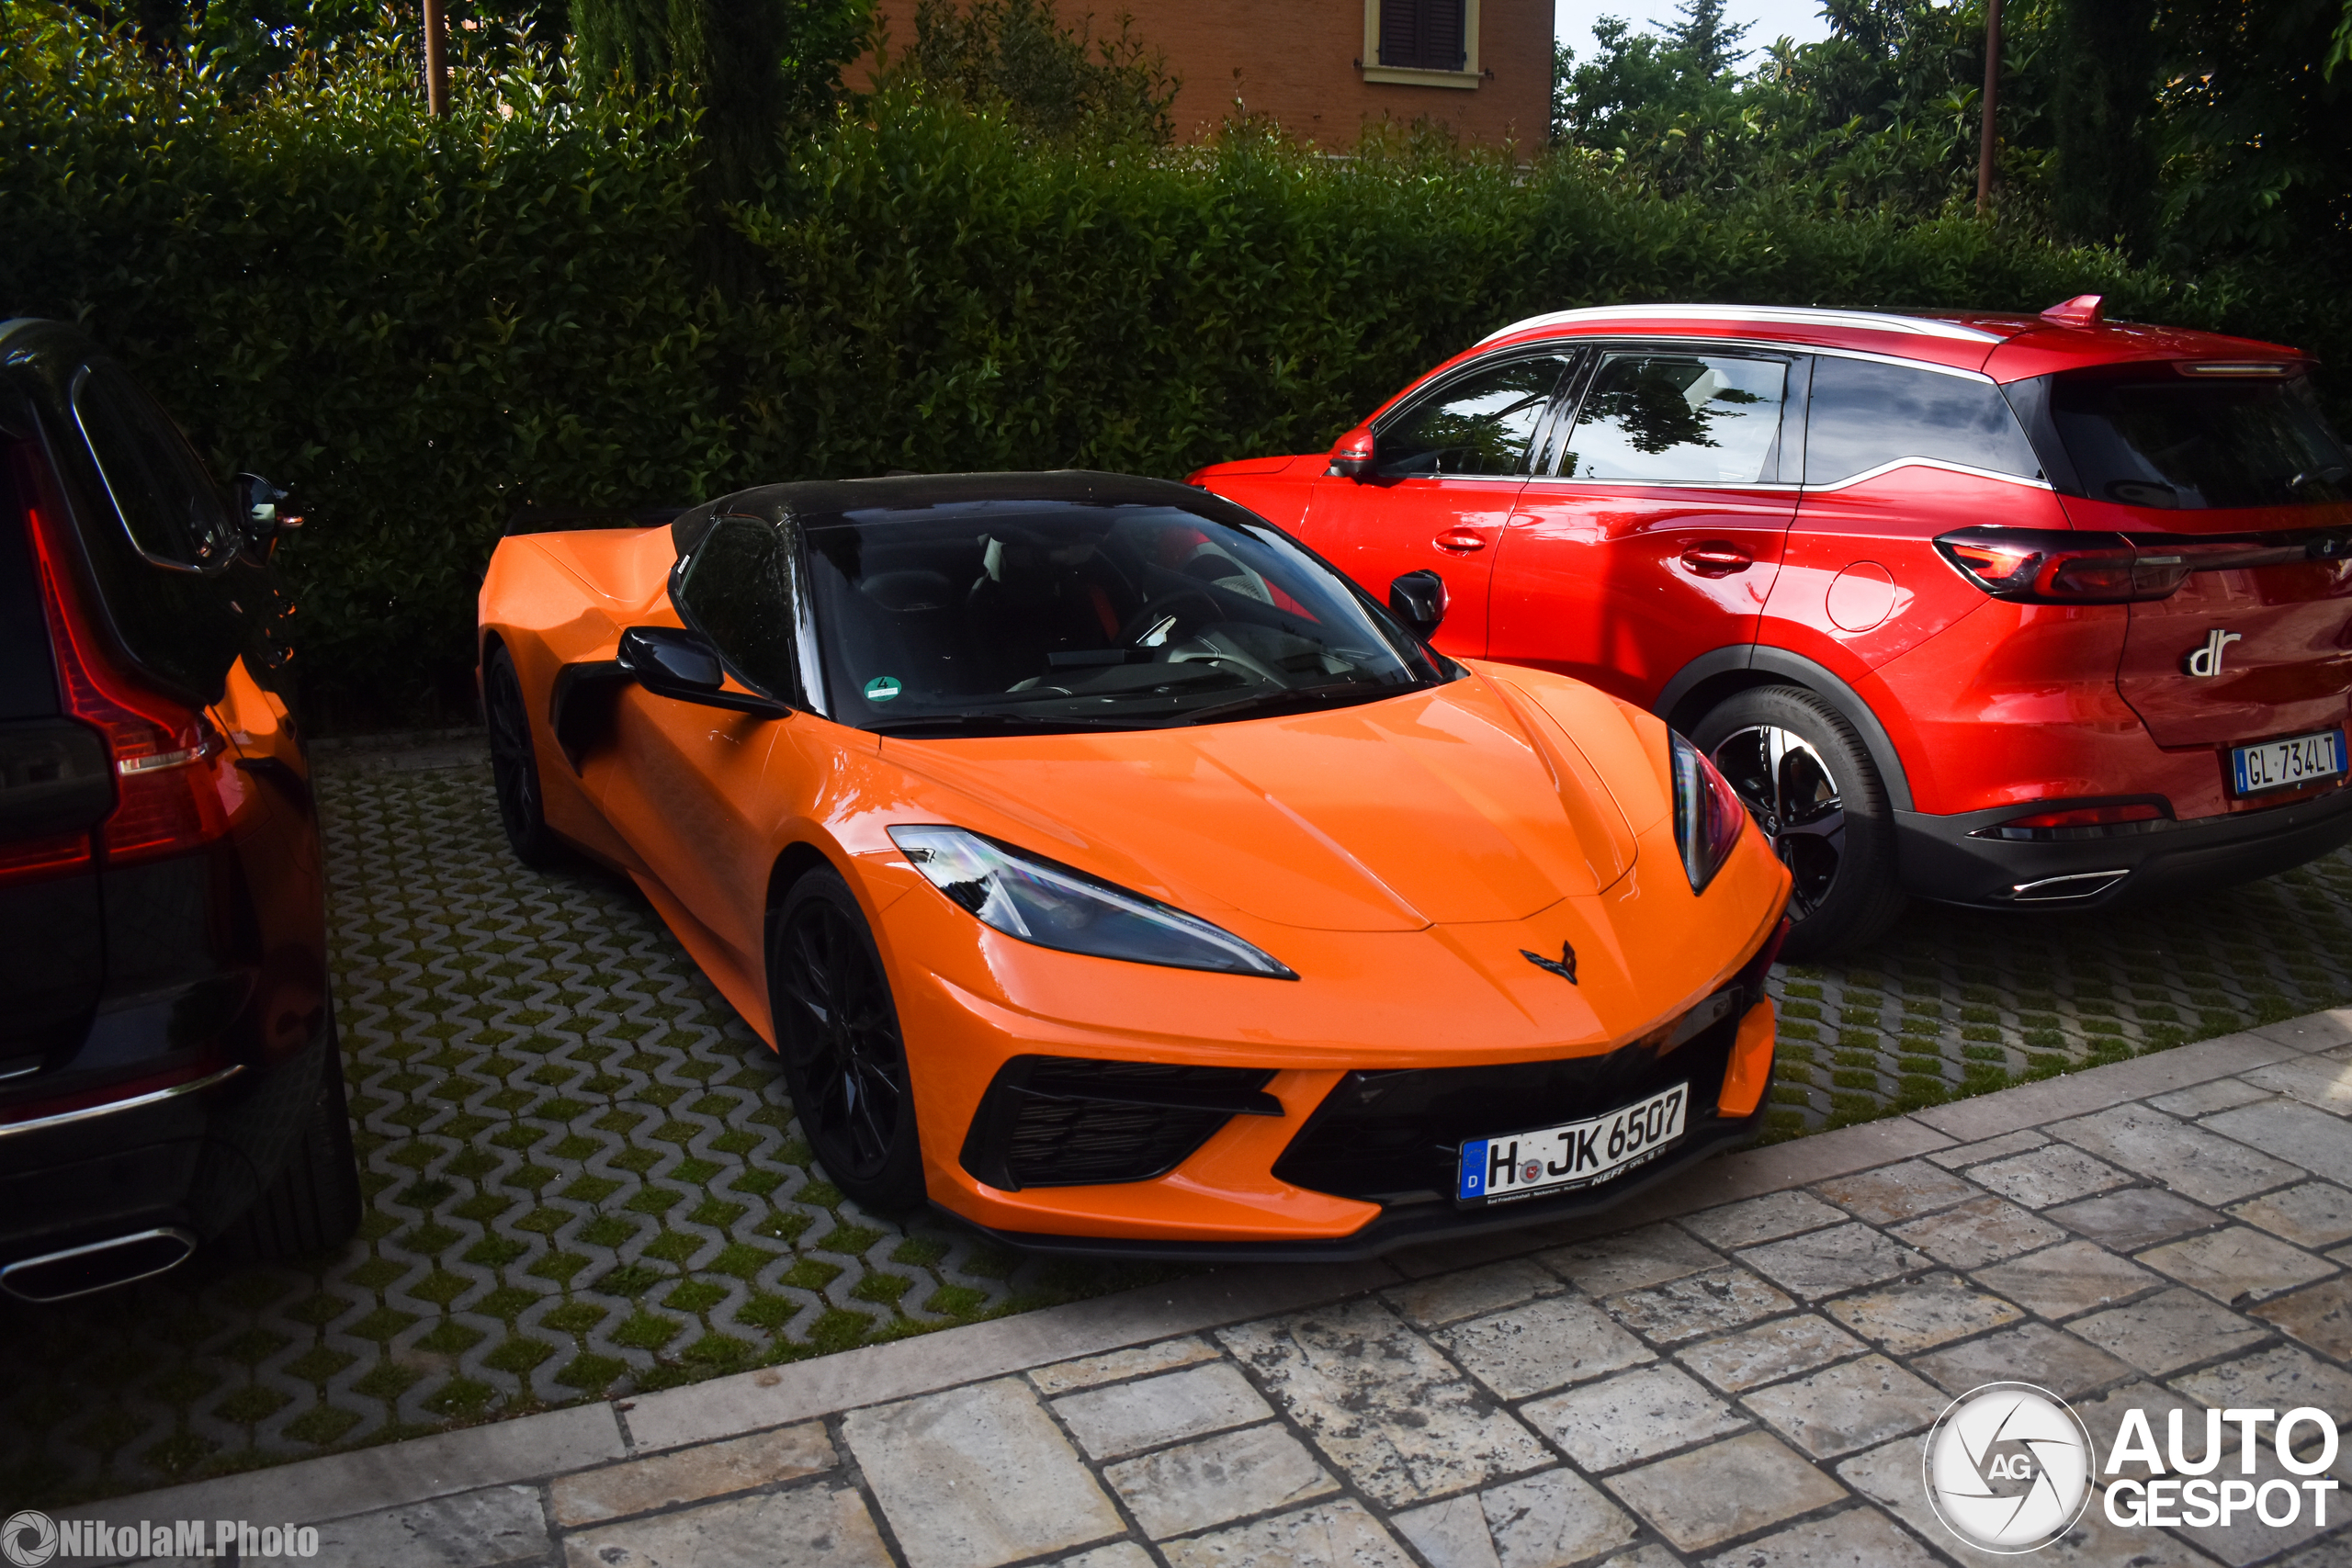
2000 611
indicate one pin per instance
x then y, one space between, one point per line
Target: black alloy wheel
1807 780
514 766
845 1059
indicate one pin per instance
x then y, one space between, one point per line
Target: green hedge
421 326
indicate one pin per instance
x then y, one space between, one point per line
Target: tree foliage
1020 59
2185 131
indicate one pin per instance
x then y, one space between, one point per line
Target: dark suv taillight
166 796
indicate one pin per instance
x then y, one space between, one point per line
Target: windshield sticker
882 688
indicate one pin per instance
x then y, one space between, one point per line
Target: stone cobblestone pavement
584 1180
1736 1372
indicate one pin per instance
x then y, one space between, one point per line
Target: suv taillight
168 800
2038 566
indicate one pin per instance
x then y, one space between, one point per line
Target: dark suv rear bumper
1941 858
192 1156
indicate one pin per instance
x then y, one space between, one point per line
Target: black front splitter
1406 1224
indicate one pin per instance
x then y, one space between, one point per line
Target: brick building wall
1304 62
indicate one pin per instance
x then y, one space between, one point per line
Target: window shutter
1422 35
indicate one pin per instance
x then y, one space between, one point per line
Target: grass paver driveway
584 1180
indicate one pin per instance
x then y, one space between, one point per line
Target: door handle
1716 559
1461 541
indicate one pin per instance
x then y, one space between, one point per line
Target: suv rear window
175 513
2157 437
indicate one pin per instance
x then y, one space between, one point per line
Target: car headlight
1056 905
1708 814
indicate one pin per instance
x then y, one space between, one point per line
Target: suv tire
1809 782
312 1204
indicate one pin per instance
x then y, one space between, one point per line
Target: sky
1800 19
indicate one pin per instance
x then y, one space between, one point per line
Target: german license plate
2276 764
1577 1154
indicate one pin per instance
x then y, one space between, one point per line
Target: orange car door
688 785
683 785
1446 468
1657 533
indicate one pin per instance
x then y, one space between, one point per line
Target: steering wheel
1153 613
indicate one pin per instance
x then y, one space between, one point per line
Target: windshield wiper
983 723
1336 693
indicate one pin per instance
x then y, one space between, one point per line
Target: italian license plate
1578 1154
2276 764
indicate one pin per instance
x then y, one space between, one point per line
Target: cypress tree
2103 94
755 64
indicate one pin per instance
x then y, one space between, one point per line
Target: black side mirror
682 666
261 514
1417 599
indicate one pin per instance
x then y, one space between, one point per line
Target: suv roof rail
1788 315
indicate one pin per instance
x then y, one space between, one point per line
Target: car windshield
2157 437
1000 617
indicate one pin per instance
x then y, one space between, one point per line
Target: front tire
845 1058
1807 780
515 766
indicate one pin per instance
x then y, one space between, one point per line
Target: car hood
1467 801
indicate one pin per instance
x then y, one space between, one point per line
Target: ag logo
2008 1467
29 1540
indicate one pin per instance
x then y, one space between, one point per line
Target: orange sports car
1109 871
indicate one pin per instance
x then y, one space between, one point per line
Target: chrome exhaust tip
2057 889
99 1265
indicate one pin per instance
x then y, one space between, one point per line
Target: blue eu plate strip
1473 1177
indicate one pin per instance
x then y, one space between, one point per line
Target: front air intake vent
1389 1137
1072 1122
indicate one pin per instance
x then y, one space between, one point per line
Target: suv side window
1866 414
1479 424
173 513
1679 418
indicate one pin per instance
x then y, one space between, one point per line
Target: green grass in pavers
322 1425
574 1155
591 1374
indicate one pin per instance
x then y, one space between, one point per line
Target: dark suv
168 1069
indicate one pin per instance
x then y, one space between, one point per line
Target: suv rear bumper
1939 858
193 1159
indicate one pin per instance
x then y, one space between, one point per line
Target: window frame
1467 78
1575 363
1796 395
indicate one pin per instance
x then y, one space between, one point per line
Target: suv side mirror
1351 455
261 514
1417 599
682 666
